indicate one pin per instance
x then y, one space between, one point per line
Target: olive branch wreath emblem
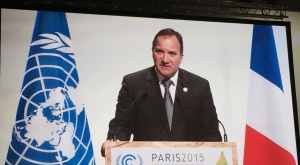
118 158
140 158
56 41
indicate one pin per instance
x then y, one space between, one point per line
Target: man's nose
165 58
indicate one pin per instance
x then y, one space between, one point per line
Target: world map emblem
51 125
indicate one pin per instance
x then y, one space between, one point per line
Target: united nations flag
51 124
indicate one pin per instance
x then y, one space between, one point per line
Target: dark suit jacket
194 114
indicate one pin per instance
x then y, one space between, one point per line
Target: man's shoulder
192 76
139 74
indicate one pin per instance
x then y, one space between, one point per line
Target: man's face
166 55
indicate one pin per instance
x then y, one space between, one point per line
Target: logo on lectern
222 160
129 159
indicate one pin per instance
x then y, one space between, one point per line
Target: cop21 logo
129 159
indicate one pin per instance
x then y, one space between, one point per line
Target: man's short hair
168 32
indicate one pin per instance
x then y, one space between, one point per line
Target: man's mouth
164 65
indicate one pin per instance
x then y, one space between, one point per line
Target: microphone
225 135
126 111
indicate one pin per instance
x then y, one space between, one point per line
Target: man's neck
160 77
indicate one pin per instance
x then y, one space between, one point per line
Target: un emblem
129 159
51 122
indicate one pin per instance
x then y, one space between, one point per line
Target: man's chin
166 74
165 71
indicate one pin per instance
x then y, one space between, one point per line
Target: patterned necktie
168 101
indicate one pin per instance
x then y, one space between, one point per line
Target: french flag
270 131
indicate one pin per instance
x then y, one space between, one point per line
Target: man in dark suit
165 102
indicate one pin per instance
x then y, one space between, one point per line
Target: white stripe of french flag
270 135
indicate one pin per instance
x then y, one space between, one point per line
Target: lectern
170 153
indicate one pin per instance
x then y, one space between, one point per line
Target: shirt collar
161 78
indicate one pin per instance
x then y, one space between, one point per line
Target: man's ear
181 58
152 53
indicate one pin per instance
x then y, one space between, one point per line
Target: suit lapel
180 104
154 93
